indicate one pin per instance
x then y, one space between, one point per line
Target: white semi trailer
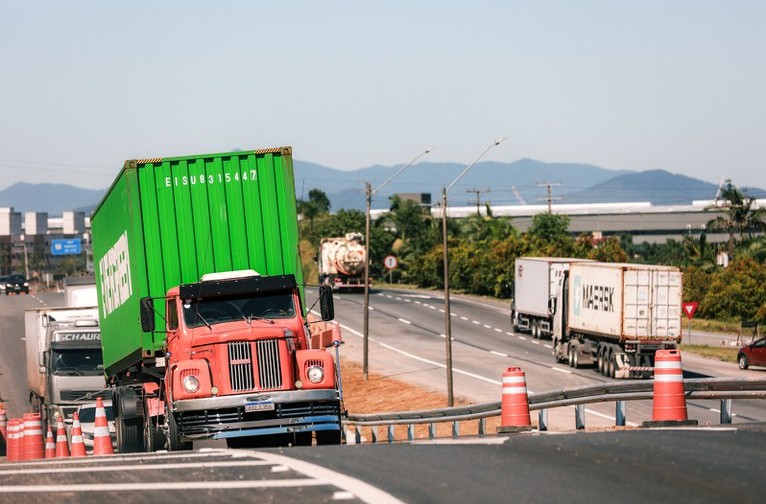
613 315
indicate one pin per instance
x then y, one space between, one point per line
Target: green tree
740 216
317 204
550 227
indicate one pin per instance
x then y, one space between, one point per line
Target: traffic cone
62 445
32 446
50 445
78 445
12 450
102 440
514 412
3 422
669 403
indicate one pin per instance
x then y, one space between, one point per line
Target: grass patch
724 354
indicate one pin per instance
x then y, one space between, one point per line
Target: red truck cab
239 367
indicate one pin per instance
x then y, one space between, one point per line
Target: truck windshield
200 312
82 361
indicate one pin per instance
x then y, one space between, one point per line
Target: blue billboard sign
66 247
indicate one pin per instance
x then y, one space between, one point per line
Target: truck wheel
128 420
331 437
174 437
570 356
611 366
600 361
575 358
154 437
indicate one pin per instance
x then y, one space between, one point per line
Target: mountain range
525 181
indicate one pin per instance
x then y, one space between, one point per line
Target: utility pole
550 196
478 193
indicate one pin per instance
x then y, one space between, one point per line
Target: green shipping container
167 221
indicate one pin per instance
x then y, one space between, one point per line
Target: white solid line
140 467
363 491
167 485
439 364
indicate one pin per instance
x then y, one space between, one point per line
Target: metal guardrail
725 389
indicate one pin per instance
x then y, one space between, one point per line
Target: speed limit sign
390 262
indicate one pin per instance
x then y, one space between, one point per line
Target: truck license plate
259 406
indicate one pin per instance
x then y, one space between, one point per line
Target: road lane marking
439 364
476 322
141 467
463 318
561 370
501 354
487 326
497 329
405 321
363 491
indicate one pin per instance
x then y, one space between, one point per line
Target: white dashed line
405 321
561 370
501 354
487 326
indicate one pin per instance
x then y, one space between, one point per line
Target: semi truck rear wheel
128 420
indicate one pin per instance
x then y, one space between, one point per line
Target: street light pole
447 321
369 193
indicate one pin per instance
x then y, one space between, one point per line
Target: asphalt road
406 340
665 465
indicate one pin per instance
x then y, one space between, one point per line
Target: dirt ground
380 394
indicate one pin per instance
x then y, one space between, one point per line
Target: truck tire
575 358
154 436
600 360
174 437
128 420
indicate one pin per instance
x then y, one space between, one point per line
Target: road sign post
689 309
390 262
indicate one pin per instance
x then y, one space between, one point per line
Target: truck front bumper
258 414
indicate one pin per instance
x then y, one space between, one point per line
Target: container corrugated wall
168 221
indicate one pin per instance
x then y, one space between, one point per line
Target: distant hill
496 183
51 198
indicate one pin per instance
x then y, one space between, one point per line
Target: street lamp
447 322
369 194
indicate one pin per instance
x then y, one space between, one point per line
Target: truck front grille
241 365
269 368
84 395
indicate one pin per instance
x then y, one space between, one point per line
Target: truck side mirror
326 304
147 314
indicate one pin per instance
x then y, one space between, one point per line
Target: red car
752 354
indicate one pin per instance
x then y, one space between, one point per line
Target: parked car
87 414
752 354
16 284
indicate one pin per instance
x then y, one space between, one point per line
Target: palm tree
739 215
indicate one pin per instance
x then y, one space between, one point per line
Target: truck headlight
191 384
315 374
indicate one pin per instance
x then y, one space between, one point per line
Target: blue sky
677 85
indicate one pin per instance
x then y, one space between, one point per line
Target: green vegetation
483 248
725 354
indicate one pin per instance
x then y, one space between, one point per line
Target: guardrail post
542 420
580 416
410 432
619 413
482 426
374 431
725 411
431 431
391 433
455 429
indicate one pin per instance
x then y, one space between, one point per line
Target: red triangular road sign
690 308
